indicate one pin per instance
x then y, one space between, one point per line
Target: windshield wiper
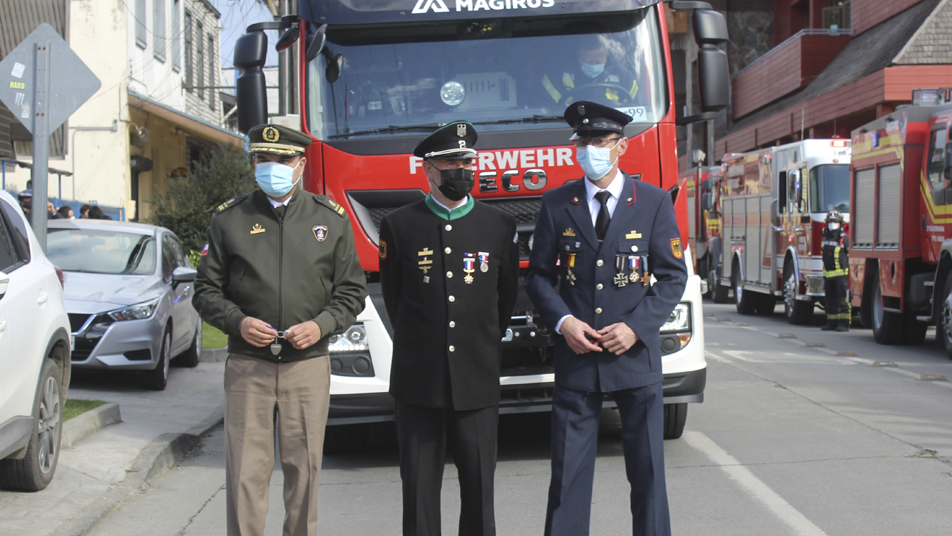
391 128
533 119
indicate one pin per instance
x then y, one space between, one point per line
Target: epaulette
331 204
230 203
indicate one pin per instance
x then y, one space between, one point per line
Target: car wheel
887 325
157 378
720 292
675 415
189 358
797 311
35 471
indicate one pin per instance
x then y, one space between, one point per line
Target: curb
164 452
90 422
213 355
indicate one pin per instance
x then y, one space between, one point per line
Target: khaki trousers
259 395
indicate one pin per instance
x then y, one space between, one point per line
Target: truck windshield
509 74
830 188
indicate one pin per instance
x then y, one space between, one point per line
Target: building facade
157 111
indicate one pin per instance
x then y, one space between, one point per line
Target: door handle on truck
43 297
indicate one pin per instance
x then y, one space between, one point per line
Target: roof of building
932 43
871 51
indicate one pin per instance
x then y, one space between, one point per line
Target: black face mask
456 183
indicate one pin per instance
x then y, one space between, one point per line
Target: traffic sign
71 83
43 82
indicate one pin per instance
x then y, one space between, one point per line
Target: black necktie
601 222
280 210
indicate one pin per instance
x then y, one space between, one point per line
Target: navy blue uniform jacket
643 223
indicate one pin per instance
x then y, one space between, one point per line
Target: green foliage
213 338
187 206
74 407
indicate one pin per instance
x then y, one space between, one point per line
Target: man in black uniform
594 75
836 266
612 246
449 271
279 275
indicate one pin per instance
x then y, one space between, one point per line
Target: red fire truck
774 202
704 228
902 222
374 77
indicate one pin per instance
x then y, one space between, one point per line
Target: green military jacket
283 271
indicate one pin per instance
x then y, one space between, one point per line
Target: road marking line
754 486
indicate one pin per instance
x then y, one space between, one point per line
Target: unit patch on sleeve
383 249
676 248
320 232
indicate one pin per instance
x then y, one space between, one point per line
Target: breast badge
569 232
320 232
383 249
257 228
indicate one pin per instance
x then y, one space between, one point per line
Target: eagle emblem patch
676 248
320 232
383 249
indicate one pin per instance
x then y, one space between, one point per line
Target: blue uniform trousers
575 419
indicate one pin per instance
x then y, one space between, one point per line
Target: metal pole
284 58
41 142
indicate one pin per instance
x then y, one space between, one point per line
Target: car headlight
135 312
679 320
352 340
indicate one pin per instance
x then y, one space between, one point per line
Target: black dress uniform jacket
447 332
283 271
642 225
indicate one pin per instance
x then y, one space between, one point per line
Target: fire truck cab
774 202
704 228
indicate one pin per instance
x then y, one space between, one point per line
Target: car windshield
830 188
507 74
101 252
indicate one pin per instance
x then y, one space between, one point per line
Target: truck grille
525 210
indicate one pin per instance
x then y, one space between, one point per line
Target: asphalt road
802 432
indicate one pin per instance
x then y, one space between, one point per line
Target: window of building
158 30
837 15
211 72
200 60
176 35
189 74
140 24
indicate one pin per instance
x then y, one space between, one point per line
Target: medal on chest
469 266
483 261
569 264
620 278
426 263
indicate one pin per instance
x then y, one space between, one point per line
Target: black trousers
835 292
423 434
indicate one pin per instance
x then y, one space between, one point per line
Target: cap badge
581 109
271 134
462 144
461 130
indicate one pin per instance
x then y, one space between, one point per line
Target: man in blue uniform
449 269
613 247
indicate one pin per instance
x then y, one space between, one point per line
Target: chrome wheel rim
48 426
946 318
165 356
877 307
789 293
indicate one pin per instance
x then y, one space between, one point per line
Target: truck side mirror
707 184
316 43
714 85
251 51
707 201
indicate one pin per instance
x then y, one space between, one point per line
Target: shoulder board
331 204
230 203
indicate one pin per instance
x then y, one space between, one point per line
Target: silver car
129 293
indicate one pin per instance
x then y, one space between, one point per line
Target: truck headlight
676 332
134 312
352 340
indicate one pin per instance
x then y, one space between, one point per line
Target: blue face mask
595 161
593 71
275 178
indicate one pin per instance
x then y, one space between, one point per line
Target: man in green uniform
279 275
449 268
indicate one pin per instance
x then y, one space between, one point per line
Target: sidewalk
102 470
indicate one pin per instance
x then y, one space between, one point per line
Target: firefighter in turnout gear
835 272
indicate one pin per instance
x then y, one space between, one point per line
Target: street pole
41 143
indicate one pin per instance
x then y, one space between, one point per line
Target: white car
34 355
